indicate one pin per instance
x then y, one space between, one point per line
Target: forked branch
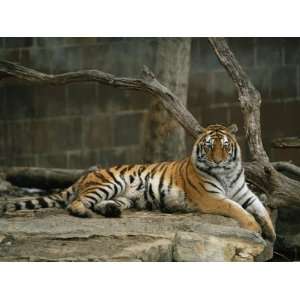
249 97
148 84
281 190
288 167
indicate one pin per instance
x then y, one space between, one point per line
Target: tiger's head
216 147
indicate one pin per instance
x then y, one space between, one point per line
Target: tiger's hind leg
113 208
78 208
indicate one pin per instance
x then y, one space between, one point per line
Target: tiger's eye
226 144
208 145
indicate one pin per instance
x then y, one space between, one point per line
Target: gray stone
5 185
158 250
53 235
208 247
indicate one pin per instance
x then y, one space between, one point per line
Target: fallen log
42 178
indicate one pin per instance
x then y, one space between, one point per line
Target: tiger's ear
200 130
232 128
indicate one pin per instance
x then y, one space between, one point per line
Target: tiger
211 180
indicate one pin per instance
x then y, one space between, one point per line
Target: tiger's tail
59 200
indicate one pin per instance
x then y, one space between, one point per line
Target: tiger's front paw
252 225
268 231
269 234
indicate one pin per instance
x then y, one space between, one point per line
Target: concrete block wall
80 125
273 64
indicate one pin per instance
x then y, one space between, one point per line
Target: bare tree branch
286 142
285 166
148 84
249 97
281 190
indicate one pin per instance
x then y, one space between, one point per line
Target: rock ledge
53 235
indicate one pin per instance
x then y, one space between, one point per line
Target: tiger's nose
217 160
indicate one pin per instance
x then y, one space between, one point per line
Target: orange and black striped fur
211 180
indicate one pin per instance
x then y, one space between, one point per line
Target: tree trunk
165 138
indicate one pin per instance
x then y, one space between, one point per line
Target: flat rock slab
53 235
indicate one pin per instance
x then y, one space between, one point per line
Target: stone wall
273 66
79 125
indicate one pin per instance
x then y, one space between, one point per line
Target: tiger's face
216 147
